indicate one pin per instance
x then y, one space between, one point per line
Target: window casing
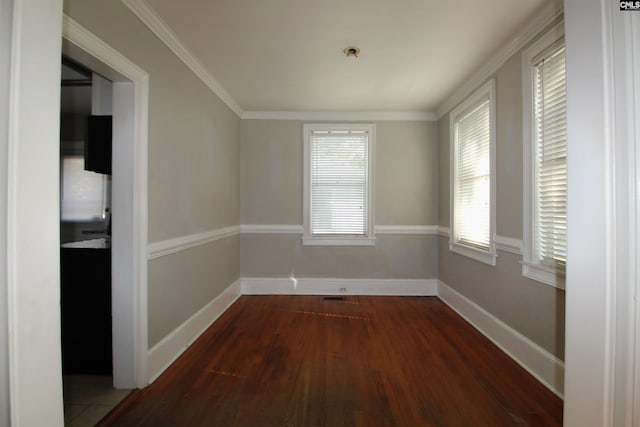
545 160
472 213
338 184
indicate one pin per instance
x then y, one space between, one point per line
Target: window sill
543 274
338 241
487 257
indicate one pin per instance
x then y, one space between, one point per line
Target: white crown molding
341 116
160 28
173 345
407 229
544 366
272 229
171 246
533 27
333 286
508 244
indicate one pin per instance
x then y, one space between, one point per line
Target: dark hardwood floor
361 361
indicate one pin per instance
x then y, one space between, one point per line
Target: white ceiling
286 55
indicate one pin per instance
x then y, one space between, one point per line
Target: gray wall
5 49
194 168
405 194
534 309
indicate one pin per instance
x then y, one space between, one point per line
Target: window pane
339 187
82 192
550 193
473 177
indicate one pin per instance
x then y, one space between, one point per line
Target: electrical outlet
343 290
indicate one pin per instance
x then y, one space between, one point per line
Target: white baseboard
173 345
544 366
322 286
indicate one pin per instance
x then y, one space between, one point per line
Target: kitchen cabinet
86 307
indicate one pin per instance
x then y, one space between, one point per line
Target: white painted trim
544 366
31 46
353 116
155 23
333 286
508 244
272 228
338 241
530 267
443 231
307 236
543 274
172 246
592 285
486 91
536 24
406 229
91 44
299 229
173 345
634 132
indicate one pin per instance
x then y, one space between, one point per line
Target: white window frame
531 268
487 90
336 240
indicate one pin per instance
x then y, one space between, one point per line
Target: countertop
101 243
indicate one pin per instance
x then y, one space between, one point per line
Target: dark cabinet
86 310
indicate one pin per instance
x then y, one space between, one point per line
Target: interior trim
353 116
338 286
272 228
406 229
97 49
171 246
153 21
443 231
173 345
544 366
508 244
531 29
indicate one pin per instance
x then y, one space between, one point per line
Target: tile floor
89 398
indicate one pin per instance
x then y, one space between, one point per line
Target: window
545 160
473 179
338 184
83 193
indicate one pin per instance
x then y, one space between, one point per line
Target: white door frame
602 384
129 205
32 198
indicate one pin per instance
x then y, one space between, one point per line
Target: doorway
85 237
128 202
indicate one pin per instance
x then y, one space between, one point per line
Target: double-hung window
545 159
338 184
473 178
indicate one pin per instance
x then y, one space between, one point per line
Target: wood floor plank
361 361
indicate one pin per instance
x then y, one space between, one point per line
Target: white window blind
339 182
472 192
550 166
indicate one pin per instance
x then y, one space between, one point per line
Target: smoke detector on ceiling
352 51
